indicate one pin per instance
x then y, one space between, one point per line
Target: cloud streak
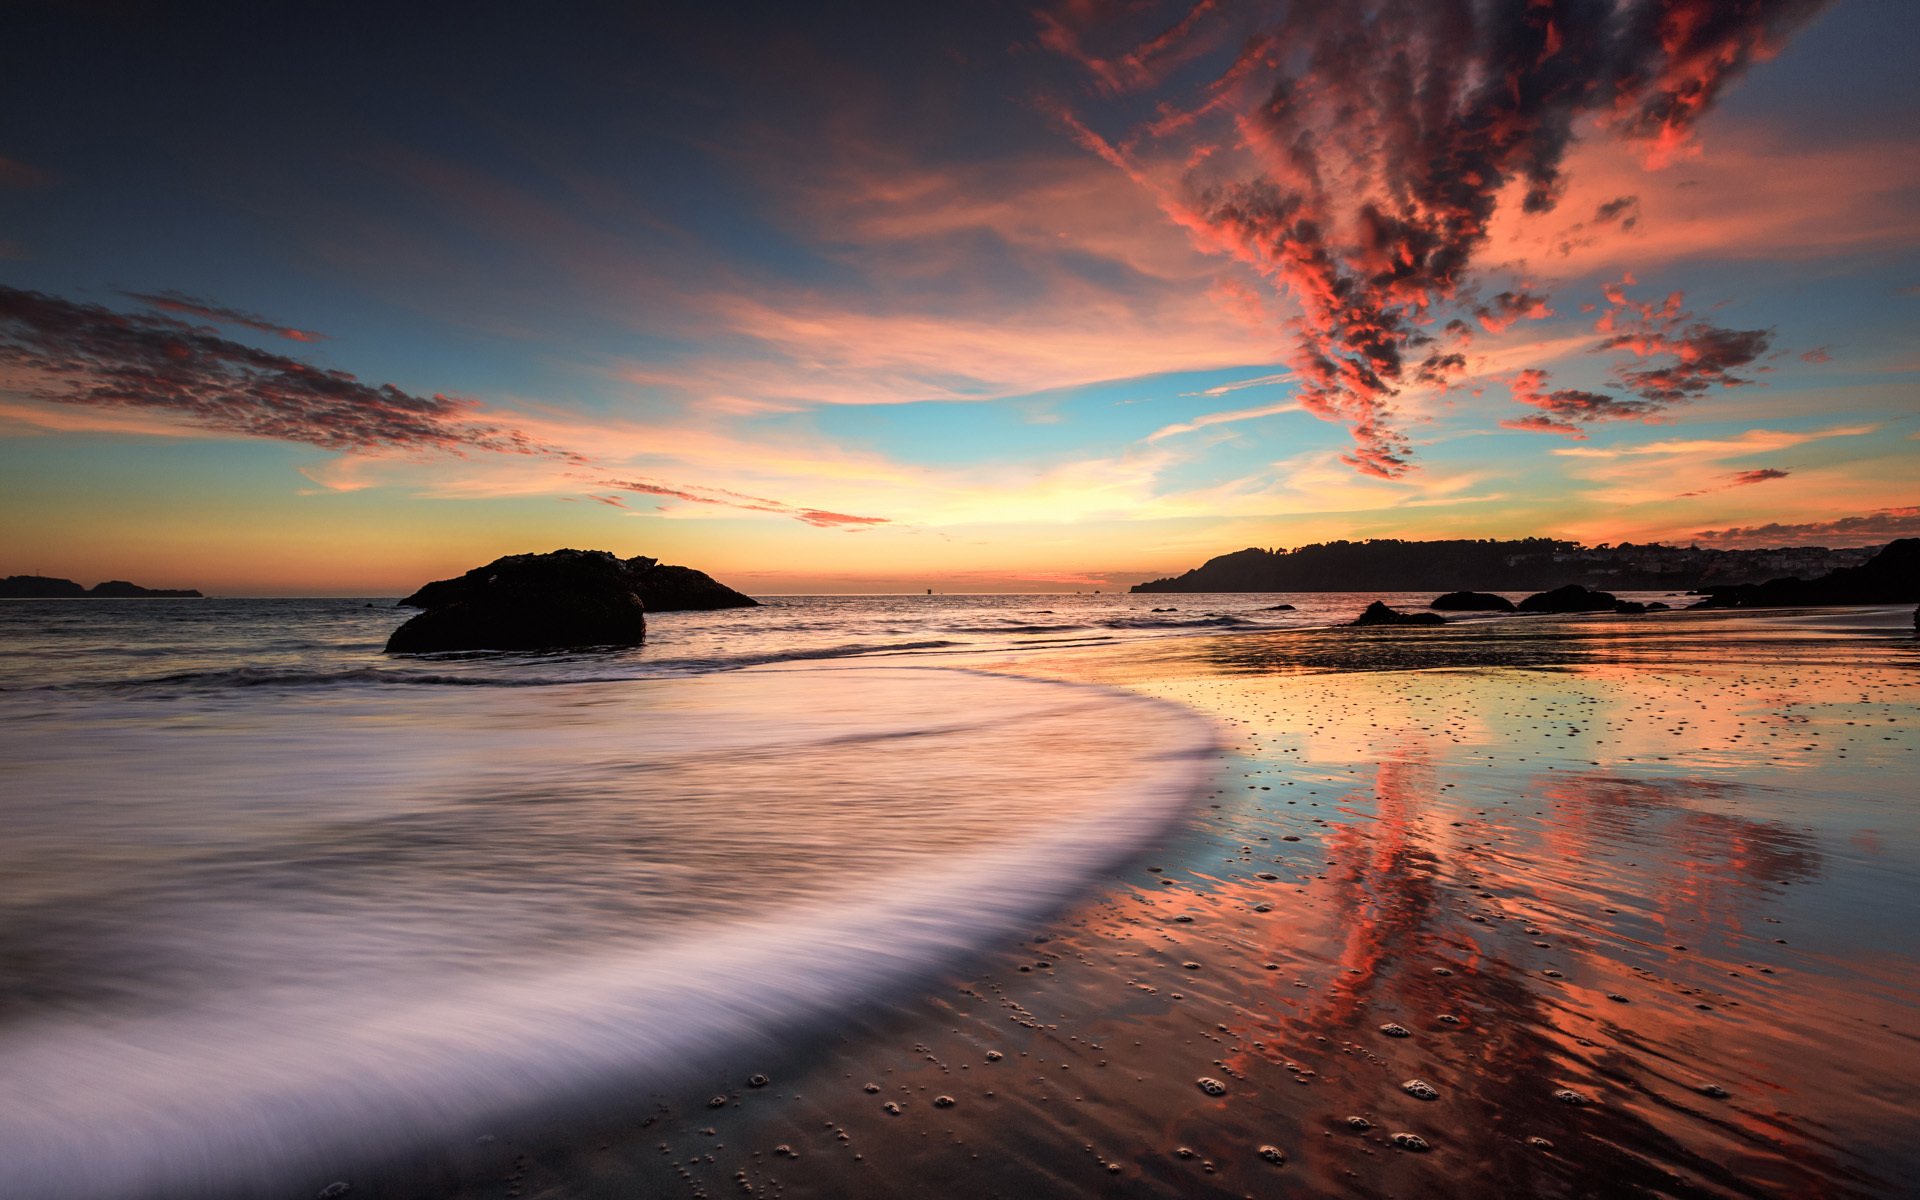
1861 530
207 310
817 517
1355 154
64 352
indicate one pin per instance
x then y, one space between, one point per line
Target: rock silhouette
1379 613
1570 599
567 599
1471 602
1889 577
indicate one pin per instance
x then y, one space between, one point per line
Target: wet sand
1556 907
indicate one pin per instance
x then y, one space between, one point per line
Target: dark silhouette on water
1379 613
48 587
1471 602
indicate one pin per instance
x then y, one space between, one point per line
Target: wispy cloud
64 352
207 310
1863 529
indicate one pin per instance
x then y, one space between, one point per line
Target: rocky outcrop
661 587
1889 577
567 599
122 590
1378 613
1471 602
1569 599
39 587
46 587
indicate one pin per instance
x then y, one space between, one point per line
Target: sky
1069 294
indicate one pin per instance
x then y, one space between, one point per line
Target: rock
1658 606
1889 577
1379 614
1278 608
1630 608
1472 602
120 589
1569 599
47 587
39 587
661 587
566 599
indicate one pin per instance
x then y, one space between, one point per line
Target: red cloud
62 352
1355 153
1743 479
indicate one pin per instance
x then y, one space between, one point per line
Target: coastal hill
47 587
1529 564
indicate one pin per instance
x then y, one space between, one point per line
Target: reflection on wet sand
1637 913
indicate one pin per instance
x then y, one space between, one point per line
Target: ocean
272 902
277 909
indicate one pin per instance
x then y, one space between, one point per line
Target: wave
590 669
258 1087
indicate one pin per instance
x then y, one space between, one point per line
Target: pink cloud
1355 155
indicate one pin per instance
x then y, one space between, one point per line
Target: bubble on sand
1410 1141
1712 1089
1191 966
1211 1086
1447 1019
1359 1124
1617 998
1569 1096
1395 1029
757 1080
334 1190
1539 1143
1273 1154
893 1108
1420 1089
994 1056
871 1089
717 1102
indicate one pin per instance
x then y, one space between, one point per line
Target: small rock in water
1569 1096
758 1081
1360 1124
784 1151
1183 1152
1191 966
871 1089
1712 1089
994 1056
1447 1019
944 1102
1410 1141
1273 1154
1395 1029
1442 971
892 1108
1420 1089
1212 1087
1617 998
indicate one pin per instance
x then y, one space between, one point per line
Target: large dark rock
1379 614
39 587
661 588
1889 577
1569 599
1472 602
568 599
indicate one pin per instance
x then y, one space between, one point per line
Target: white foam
268 1091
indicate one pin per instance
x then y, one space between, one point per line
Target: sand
1559 907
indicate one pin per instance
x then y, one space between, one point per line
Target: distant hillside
1531 564
47 587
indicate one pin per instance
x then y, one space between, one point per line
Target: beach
1518 906
1633 899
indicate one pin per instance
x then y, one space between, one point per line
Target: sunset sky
303 299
